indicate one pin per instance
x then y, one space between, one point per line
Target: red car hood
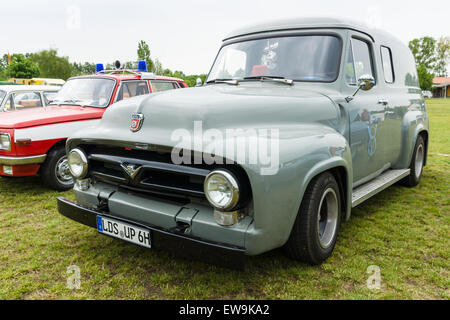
47 115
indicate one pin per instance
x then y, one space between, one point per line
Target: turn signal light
23 142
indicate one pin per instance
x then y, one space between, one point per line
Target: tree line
47 64
432 58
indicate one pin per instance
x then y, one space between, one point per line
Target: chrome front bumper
11 161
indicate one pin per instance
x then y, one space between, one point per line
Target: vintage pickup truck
32 140
299 121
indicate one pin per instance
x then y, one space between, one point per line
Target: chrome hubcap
62 171
327 218
419 161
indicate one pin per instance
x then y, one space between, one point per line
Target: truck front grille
146 171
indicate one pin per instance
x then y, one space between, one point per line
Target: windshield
300 58
2 95
89 92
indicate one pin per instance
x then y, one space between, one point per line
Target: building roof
308 23
441 81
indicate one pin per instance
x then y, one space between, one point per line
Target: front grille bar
151 165
150 175
172 189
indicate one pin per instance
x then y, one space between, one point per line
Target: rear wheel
315 230
416 166
55 171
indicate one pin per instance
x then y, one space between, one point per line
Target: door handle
383 101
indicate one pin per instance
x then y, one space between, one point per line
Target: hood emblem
131 169
137 119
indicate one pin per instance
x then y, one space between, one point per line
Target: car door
368 132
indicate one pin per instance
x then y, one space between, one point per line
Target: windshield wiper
271 78
229 81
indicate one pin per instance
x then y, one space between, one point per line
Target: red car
33 141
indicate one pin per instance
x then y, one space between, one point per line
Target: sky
186 35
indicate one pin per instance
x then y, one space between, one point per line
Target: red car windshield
88 92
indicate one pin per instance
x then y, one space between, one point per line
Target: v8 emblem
137 119
131 169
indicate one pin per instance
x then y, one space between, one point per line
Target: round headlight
222 190
78 163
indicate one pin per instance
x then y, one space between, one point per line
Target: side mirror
198 82
365 82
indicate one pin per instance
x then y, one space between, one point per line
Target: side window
158 86
350 77
362 58
130 89
388 69
25 100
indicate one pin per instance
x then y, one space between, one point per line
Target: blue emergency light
142 66
99 67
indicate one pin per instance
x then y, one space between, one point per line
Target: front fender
314 149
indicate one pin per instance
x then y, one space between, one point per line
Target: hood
47 115
252 105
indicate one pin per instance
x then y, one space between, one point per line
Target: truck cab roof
307 23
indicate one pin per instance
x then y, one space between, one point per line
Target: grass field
403 231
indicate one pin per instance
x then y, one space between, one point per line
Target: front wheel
55 171
315 230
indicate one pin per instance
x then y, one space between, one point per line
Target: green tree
89 68
424 52
442 56
51 65
22 67
3 66
79 69
158 69
425 77
4 62
167 73
191 80
130 65
178 74
143 53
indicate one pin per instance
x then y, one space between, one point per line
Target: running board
378 184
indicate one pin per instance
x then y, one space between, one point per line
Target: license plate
124 231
